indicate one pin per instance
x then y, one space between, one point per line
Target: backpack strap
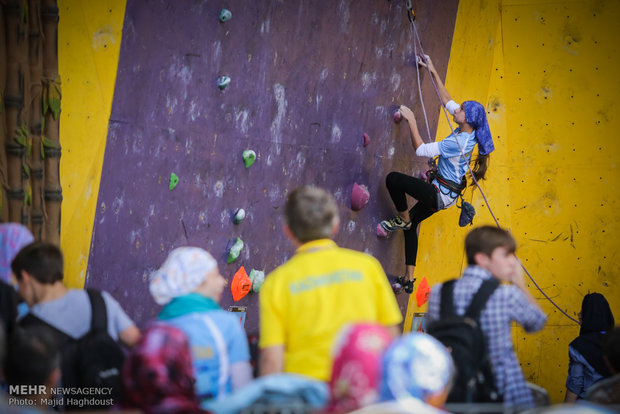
32 320
446 304
99 317
480 299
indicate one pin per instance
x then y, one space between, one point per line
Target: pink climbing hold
397 117
359 196
366 139
381 231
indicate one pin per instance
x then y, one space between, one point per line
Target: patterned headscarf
182 272
415 365
357 367
158 375
476 116
13 237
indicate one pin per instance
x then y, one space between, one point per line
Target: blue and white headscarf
183 271
476 116
415 365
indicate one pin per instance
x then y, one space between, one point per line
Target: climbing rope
421 55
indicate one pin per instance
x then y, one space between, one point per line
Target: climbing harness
467 209
421 56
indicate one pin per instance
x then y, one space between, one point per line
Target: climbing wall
546 72
307 81
89 40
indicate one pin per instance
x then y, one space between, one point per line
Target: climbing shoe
395 223
408 285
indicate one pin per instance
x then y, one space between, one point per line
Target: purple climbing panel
307 80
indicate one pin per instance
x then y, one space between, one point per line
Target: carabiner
410 12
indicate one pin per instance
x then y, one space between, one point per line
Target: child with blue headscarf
454 155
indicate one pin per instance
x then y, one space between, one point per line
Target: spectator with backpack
491 260
189 285
86 324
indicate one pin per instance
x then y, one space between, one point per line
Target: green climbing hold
225 15
239 216
249 157
223 82
257 277
235 250
174 180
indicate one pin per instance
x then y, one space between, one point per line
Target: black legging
398 185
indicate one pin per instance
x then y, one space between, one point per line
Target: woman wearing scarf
158 377
189 285
454 155
586 364
13 237
356 371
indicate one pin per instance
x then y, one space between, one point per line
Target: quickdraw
410 12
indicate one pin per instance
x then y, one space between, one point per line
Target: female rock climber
449 181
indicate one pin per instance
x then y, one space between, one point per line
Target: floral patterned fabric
357 367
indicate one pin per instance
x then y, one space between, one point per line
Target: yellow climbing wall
546 71
89 39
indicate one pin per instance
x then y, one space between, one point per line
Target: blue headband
476 116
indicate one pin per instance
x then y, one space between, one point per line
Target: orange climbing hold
421 296
240 285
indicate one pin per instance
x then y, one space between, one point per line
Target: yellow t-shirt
305 302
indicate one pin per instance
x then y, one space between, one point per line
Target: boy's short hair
41 260
485 239
310 213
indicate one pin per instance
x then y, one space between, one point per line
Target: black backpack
462 335
91 365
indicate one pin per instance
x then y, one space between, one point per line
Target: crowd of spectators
330 333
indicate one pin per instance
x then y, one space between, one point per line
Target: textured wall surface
546 72
307 82
89 40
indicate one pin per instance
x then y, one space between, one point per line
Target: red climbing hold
381 231
397 117
359 196
240 285
421 296
366 139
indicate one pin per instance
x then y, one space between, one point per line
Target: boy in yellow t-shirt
305 302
